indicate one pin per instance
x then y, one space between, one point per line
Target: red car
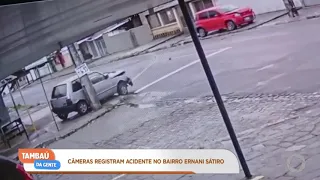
222 17
10 169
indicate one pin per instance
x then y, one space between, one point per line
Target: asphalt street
268 59
273 60
277 59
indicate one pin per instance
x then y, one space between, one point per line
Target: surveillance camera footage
159 90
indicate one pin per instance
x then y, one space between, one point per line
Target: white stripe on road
180 69
185 55
118 177
258 178
266 67
144 70
263 83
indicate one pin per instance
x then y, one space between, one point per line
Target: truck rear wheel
82 107
123 88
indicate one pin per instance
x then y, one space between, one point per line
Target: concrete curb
265 22
313 17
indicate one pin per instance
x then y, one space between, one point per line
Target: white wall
31 76
119 42
45 70
143 34
259 6
311 2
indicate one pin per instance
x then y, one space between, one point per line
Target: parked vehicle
222 18
10 169
69 95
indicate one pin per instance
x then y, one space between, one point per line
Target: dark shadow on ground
76 116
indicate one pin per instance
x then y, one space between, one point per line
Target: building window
93 48
203 4
167 16
154 21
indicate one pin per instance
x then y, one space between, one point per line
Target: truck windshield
59 91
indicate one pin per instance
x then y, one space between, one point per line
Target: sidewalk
278 133
39 115
49 133
260 21
305 13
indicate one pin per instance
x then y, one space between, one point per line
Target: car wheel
63 116
82 107
123 88
231 25
202 32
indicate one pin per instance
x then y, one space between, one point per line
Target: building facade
95 47
260 7
124 35
167 19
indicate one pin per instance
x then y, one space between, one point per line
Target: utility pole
214 88
85 81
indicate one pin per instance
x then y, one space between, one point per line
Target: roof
104 31
109 29
7 80
41 61
72 78
83 40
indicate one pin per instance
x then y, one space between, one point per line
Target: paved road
269 60
263 60
276 58
270 130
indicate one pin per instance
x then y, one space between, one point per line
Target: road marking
180 69
266 67
263 83
144 70
258 178
118 177
191 54
185 55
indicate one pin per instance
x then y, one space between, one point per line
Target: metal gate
311 2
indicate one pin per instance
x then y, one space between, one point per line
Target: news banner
128 161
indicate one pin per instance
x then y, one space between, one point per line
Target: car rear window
203 15
59 91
